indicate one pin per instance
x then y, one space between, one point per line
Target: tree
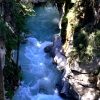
12 24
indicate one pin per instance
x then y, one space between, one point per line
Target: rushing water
39 74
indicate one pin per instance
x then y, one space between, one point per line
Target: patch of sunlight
71 15
38 44
45 78
55 21
99 63
92 36
55 91
90 95
73 1
41 64
89 50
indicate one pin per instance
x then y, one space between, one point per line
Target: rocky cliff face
80 71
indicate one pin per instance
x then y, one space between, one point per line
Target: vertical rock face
61 10
2 63
78 78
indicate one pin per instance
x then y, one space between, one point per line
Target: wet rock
54 48
48 48
66 91
57 44
58 55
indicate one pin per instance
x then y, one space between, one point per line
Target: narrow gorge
49 50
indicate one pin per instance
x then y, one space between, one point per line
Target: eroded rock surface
77 81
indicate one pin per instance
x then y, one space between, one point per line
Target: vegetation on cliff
81 22
13 18
80 33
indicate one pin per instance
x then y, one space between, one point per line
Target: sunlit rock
60 60
83 87
90 94
61 9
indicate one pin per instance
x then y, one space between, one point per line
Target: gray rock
60 60
86 68
66 91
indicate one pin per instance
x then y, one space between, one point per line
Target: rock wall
2 64
78 81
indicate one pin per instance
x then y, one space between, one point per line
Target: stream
40 76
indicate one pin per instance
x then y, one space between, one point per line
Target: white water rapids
39 74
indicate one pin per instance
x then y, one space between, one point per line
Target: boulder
66 91
60 60
48 48
57 44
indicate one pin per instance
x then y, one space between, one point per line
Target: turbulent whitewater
39 74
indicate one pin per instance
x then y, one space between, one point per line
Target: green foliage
97 39
8 36
87 44
12 75
96 72
11 34
20 12
74 1
80 41
9 94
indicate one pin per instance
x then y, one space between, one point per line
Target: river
39 74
